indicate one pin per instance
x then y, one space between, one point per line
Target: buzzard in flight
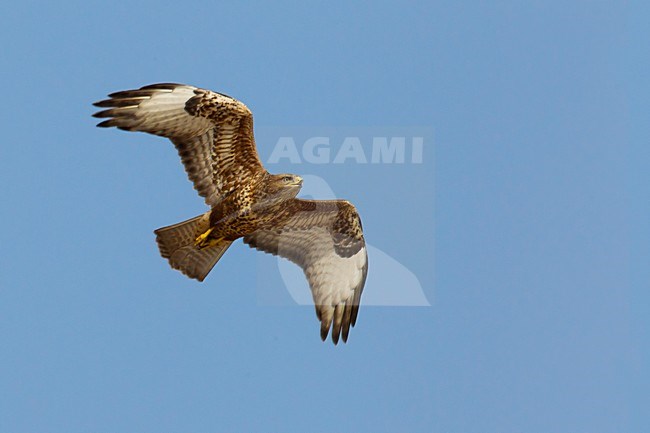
213 134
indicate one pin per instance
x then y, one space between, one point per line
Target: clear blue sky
528 229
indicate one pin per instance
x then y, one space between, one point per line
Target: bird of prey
213 134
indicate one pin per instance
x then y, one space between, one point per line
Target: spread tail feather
177 245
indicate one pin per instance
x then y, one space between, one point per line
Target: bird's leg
202 241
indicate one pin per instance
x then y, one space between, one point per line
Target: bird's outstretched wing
325 239
212 132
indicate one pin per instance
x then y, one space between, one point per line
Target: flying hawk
213 134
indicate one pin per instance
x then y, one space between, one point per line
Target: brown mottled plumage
213 134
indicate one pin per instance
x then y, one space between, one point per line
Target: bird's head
284 186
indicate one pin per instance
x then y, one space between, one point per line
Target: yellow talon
203 241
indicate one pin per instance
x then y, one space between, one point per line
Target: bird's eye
287 179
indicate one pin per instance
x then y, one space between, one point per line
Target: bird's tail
177 243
